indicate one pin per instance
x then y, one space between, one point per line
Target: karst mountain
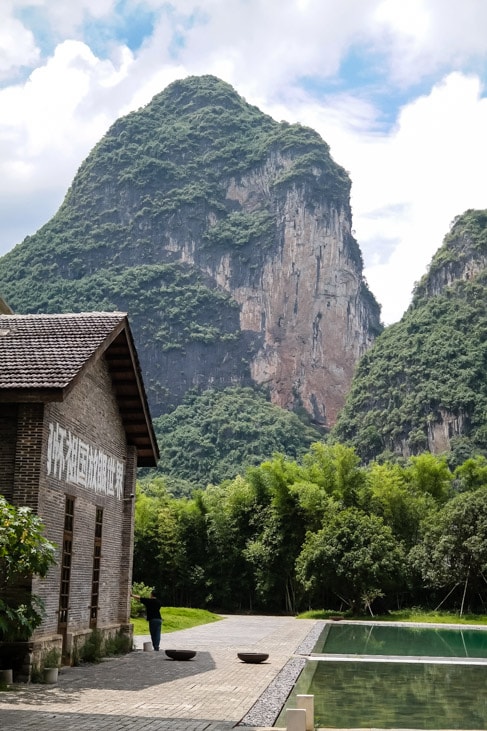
227 237
423 385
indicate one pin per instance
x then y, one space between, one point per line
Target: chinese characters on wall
73 460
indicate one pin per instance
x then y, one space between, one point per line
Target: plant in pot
50 665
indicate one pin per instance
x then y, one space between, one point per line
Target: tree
355 556
272 551
337 469
160 547
24 553
389 496
430 475
453 550
472 474
231 512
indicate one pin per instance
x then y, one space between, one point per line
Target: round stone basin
180 654
253 657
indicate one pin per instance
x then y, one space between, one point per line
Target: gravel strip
267 708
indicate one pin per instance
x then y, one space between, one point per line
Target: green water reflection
393 695
359 639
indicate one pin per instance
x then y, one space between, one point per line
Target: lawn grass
176 618
402 615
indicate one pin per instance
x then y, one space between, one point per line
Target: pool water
363 639
387 695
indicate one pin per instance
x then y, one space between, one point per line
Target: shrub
92 650
118 644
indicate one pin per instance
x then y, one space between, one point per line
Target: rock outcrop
227 238
308 309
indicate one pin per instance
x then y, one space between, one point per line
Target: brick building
74 427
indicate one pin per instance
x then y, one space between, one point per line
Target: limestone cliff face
227 238
302 298
447 427
308 308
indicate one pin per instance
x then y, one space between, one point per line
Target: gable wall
87 423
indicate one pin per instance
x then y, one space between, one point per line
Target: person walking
153 613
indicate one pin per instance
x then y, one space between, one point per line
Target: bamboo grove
321 532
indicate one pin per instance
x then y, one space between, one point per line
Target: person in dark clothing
153 612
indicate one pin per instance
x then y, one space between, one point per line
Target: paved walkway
145 691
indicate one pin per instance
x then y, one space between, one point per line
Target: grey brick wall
90 413
8 438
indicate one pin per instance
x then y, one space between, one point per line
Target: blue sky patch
35 19
129 25
133 25
364 74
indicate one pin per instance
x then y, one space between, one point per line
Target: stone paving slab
146 691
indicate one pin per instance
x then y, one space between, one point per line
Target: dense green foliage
453 548
215 435
431 365
148 217
355 556
24 553
321 531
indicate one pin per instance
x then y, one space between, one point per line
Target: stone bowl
180 654
253 657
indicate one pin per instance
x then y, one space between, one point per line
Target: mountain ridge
227 238
422 386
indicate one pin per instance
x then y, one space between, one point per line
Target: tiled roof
41 357
47 351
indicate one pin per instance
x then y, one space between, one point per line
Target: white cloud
409 181
17 45
268 45
45 113
65 18
47 126
411 184
422 37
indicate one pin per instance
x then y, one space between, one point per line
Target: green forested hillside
216 435
429 370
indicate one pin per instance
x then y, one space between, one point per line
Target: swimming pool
366 675
387 695
405 640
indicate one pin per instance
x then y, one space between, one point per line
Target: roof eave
31 395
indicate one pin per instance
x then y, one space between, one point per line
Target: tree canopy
321 530
24 553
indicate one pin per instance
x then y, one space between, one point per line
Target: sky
395 87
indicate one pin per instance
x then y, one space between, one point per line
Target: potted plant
50 665
6 676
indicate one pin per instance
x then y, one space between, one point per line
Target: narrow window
95 582
66 559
